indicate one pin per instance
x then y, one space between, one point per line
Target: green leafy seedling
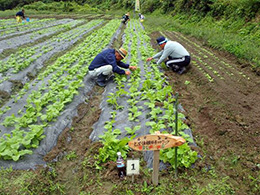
131 131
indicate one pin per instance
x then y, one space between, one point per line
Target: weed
84 193
72 155
71 129
220 188
255 183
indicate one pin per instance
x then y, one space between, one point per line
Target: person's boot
101 80
175 68
110 78
181 70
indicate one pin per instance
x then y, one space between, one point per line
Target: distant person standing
19 15
174 54
126 18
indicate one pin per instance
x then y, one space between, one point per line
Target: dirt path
224 111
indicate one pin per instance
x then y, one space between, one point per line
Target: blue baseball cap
161 40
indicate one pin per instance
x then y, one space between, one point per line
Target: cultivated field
52 114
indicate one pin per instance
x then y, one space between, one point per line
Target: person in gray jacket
174 54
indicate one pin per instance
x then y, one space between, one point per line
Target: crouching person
174 54
19 15
106 63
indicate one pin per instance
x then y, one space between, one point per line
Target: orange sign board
156 142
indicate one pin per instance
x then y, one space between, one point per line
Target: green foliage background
247 9
230 25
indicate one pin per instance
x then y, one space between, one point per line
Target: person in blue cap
174 54
106 63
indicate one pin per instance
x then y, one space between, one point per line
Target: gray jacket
172 49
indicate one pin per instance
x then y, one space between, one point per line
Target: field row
211 66
17 41
31 59
40 102
140 104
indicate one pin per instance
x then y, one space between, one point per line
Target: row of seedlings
204 67
19 28
7 22
227 65
12 23
48 95
205 56
160 97
26 57
17 41
124 91
35 57
146 91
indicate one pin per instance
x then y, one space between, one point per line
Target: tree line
247 9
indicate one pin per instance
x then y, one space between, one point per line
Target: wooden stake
156 155
133 176
176 133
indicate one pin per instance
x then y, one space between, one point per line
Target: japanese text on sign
156 142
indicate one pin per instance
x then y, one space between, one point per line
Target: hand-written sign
156 142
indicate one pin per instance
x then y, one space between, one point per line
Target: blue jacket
107 57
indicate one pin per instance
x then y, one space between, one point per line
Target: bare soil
224 114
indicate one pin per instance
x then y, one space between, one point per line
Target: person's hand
127 72
132 67
149 59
